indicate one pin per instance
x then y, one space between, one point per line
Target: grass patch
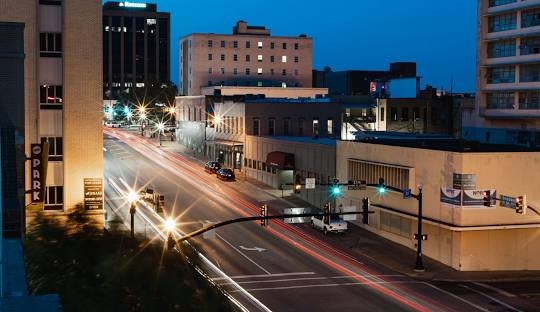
93 270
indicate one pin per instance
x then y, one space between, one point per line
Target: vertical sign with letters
93 194
37 173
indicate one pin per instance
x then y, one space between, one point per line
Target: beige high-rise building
508 74
63 97
250 56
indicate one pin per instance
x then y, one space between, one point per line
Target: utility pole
419 267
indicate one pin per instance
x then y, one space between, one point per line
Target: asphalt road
279 268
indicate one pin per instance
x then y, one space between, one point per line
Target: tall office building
136 46
248 57
508 71
62 98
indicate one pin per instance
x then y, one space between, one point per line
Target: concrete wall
466 238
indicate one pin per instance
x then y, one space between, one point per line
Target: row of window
248 71
192 114
246 83
302 174
287 127
260 58
50 44
56 147
506 100
506 48
259 165
508 21
494 3
247 44
230 125
405 114
507 74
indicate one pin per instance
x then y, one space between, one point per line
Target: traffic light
335 189
264 214
487 198
297 184
521 204
365 209
381 188
326 210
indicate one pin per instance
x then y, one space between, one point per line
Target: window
502 48
248 58
210 43
50 44
284 45
529 99
296 45
284 85
235 44
209 83
330 126
395 224
529 73
382 114
296 59
493 3
56 149
501 74
259 83
235 57
284 59
393 175
405 114
235 71
272 126
296 72
223 57
256 126
54 198
272 45
247 71
248 44
222 71
502 22
530 45
209 70
223 43
393 114
259 71
271 59
315 127
260 44
50 94
286 126
500 100
209 56
300 126
272 72
416 113
259 58
284 72
530 18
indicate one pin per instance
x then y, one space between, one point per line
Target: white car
336 225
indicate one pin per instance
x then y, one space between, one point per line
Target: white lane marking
495 289
457 297
259 249
297 279
329 285
265 275
491 298
243 254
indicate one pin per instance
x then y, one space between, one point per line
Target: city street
278 268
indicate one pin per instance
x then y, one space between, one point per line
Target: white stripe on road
495 289
265 275
457 297
330 285
243 254
303 279
491 298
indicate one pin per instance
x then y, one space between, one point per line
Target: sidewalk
360 243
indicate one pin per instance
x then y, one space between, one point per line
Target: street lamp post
160 128
132 211
419 263
170 226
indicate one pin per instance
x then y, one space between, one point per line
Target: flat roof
307 140
247 35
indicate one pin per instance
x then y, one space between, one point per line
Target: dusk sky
439 35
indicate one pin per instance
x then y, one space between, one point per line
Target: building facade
462 232
250 56
508 71
62 94
136 47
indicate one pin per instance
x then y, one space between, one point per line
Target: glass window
416 113
235 71
330 126
530 45
235 44
382 113
259 71
500 100
284 45
210 43
260 44
272 71
529 73
286 126
223 57
296 46
296 72
223 43
256 126
271 126
56 147
235 57
502 48
50 44
393 114
247 71
529 99
284 72
502 22
248 58
50 94
209 70
272 59
501 74
54 198
493 3
222 71
248 44
260 58
272 45
284 59
315 127
209 56
405 114
530 18
296 59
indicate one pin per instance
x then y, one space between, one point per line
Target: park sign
464 181
38 171
93 194
310 183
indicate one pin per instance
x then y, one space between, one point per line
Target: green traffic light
336 190
381 190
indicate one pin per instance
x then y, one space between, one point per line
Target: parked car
226 174
333 224
212 167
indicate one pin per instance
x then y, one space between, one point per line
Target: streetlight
142 118
170 226
132 198
160 127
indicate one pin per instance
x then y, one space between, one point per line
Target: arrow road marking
252 249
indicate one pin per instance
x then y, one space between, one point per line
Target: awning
280 160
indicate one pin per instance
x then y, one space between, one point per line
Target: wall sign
475 198
37 172
450 196
93 194
464 181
